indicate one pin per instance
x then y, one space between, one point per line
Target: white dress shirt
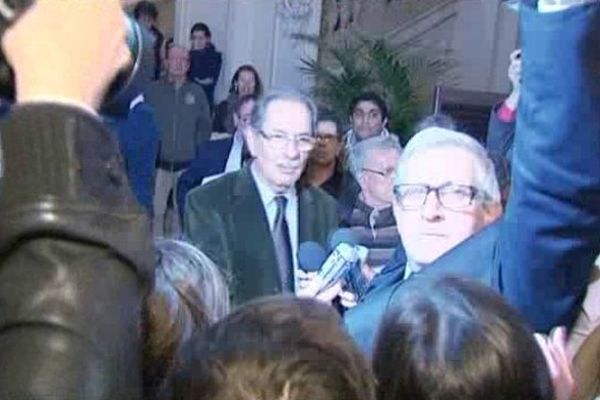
267 196
234 160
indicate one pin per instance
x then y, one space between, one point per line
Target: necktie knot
281 202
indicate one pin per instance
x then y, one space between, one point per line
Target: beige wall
478 34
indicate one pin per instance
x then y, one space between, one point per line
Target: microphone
342 235
355 281
345 254
311 255
343 257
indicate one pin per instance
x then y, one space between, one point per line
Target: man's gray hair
186 277
260 109
434 138
358 153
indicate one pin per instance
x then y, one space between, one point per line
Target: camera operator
75 246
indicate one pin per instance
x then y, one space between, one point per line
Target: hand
514 75
68 50
368 272
309 284
561 371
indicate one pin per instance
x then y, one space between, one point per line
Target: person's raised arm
550 234
75 249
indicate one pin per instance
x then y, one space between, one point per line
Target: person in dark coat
205 60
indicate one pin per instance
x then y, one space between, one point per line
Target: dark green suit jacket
227 221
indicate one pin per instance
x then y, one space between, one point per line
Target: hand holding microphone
324 276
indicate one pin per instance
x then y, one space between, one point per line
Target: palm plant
403 76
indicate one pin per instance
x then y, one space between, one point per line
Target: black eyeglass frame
473 194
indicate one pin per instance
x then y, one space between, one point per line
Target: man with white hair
368 212
540 252
445 191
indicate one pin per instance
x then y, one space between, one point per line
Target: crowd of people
159 254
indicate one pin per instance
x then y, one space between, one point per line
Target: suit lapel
306 215
254 244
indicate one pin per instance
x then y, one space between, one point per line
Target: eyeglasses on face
450 196
279 140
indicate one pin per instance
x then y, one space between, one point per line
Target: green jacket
227 221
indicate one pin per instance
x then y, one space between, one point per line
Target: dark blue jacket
500 136
211 160
204 64
540 254
138 142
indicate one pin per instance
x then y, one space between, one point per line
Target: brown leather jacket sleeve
75 253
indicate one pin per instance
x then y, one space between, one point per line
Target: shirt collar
267 194
411 268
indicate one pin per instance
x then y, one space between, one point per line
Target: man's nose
432 209
291 149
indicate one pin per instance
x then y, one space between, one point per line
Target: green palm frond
404 76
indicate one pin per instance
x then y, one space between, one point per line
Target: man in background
183 116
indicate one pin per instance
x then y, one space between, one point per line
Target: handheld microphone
344 261
355 281
311 255
343 257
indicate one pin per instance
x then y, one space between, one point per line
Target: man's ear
491 212
340 146
250 139
236 120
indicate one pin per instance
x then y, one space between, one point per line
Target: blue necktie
283 249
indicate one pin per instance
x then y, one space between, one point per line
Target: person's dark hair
373 98
259 112
201 27
145 8
437 120
456 339
169 43
325 114
258 88
240 101
189 293
277 348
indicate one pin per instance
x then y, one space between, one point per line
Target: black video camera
125 87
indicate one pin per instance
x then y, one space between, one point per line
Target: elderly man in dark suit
251 222
539 254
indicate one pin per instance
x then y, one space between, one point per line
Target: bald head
178 63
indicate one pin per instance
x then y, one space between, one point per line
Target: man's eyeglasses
451 196
280 141
388 173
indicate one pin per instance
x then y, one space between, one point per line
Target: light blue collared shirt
267 196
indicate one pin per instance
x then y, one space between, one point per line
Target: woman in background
245 81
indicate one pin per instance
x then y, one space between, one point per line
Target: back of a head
277 348
455 339
189 293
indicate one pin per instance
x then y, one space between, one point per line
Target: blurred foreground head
277 348
456 339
